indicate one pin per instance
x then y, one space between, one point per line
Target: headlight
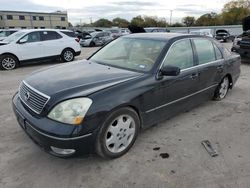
71 111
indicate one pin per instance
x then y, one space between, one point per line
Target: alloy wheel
224 88
120 134
8 63
68 55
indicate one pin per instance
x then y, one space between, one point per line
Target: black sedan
100 104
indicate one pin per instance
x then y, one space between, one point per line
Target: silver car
96 39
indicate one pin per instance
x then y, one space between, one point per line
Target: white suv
36 45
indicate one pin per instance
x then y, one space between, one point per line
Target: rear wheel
118 133
68 55
8 62
222 89
92 44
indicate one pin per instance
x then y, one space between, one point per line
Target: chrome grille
32 98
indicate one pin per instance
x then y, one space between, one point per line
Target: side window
180 55
50 35
205 50
217 52
32 37
98 35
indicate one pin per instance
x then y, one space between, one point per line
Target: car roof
10 29
30 30
158 36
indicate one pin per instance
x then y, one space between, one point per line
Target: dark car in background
241 43
138 80
223 35
97 38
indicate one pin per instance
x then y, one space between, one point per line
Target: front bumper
78 53
82 144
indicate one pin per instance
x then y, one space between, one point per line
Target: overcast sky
84 10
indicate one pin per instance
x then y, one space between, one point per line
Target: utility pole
170 19
90 20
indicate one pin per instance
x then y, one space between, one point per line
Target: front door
173 94
31 47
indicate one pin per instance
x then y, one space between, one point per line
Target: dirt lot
225 124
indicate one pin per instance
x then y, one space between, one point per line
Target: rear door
210 63
53 43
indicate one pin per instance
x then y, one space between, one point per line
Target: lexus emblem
27 96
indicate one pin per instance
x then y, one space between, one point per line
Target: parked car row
35 45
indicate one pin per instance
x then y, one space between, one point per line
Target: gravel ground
186 163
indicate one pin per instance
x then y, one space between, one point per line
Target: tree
102 23
70 24
188 21
162 22
120 22
234 11
138 21
148 21
209 19
177 24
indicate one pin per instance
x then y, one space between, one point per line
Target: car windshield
3 34
130 53
13 37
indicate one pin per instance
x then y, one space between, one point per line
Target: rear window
68 33
49 35
205 50
217 52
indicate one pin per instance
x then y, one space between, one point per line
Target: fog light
61 151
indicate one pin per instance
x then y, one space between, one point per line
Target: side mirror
170 71
22 41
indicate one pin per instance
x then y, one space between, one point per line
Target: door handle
220 68
194 76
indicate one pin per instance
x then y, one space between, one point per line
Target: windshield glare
130 53
3 34
13 37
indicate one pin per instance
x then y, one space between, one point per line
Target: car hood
81 77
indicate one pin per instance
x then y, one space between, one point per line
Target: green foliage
102 23
209 19
120 22
148 21
138 21
234 11
177 24
188 21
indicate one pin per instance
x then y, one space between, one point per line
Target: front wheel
8 62
118 133
68 55
222 89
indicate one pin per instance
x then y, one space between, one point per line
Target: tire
118 133
92 44
8 62
222 89
68 55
